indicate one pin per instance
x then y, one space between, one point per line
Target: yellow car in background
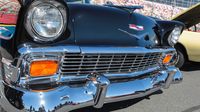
188 47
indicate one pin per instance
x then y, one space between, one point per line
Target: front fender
166 27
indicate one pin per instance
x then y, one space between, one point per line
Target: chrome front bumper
97 91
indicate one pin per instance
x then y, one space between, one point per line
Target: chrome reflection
7 31
66 98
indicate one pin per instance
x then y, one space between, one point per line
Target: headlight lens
45 21
174 36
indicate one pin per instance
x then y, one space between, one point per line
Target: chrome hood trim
106 49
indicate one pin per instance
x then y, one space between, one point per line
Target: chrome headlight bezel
174 35
28 22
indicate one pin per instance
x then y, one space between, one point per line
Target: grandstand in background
170 9
163 9
178 3
166 9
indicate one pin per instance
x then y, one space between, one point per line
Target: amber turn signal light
43 68
167 59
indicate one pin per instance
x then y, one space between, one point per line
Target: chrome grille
81 64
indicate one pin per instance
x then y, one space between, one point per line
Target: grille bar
81 64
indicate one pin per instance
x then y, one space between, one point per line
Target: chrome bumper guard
97 91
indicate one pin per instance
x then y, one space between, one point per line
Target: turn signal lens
167 59
43 68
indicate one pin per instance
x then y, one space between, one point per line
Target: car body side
189 40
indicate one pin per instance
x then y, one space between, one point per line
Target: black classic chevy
60 56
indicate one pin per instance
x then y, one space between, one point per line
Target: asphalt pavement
183 97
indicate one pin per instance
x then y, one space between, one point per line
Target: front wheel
180 61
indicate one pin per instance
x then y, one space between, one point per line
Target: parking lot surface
183 97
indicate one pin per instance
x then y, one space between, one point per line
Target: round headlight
45 21
174 36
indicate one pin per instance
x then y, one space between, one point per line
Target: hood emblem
138 37
136 27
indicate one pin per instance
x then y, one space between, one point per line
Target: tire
181 58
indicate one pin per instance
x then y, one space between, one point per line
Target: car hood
110 26
190 16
